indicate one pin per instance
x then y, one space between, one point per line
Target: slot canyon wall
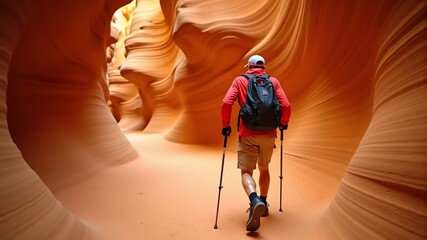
56 128
354 71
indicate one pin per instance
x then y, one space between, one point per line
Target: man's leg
248 154
249 185
264 180
247 159
264 184
266 151
248 182
257 208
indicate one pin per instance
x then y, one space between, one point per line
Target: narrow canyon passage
171 190
110 118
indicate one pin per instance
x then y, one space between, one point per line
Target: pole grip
281 134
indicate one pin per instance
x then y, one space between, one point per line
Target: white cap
256 61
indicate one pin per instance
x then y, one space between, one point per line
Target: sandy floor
171 192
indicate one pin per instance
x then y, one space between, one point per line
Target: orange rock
354 152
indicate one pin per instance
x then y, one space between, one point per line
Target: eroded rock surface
354 71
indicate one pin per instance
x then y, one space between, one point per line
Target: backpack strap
266 76
249 77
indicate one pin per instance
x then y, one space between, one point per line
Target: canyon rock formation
76 73
56 127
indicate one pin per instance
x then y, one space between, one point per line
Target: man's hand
283 127
226 131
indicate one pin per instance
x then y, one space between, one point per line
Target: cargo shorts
255 149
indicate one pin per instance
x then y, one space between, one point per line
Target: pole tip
215 227
280 210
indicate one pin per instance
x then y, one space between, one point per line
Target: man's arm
285 106
227 104
226 114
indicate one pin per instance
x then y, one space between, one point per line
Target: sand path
171 190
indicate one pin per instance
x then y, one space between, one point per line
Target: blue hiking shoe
256 210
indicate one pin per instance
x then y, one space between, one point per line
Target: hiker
255 146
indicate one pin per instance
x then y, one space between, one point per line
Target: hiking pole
281 163
220 182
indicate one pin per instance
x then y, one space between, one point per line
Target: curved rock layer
150 61
57 119
354 71
383 193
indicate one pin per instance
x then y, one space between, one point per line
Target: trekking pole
220 182
281 163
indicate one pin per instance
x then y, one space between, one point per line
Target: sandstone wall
56 128
354 71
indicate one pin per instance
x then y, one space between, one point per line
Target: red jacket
237 91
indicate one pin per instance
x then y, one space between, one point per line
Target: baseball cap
256 60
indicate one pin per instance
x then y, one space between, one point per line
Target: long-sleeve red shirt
237 91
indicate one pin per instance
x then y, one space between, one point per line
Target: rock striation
74 74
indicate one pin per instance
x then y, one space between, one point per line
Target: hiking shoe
256 210
265 214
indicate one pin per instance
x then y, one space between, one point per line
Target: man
255 147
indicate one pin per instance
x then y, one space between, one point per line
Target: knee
263 169
250 172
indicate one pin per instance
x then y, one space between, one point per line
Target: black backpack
261 111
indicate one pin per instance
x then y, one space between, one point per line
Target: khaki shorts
255 149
